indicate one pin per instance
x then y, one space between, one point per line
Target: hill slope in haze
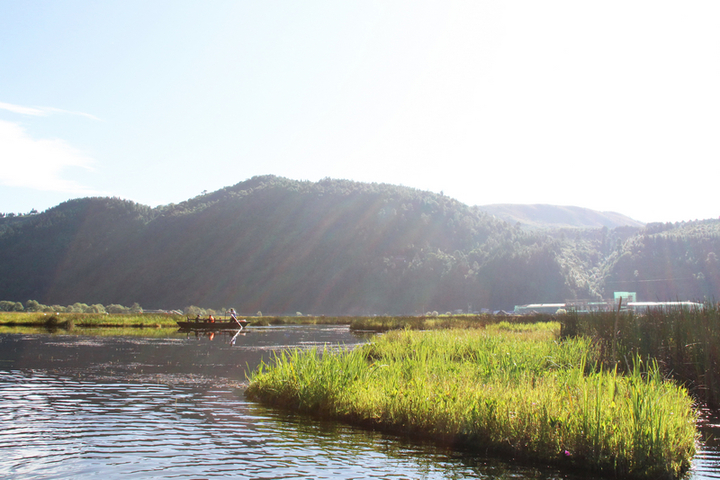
553 216
328 247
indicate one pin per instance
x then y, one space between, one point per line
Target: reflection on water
706 463
221 355
173 407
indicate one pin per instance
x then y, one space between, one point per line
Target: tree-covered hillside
328 247
669 262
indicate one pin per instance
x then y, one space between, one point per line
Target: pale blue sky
611 105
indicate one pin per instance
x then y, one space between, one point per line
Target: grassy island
88 320
510 388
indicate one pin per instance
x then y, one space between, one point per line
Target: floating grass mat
519 393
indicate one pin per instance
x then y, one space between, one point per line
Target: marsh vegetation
684 342
508 388
71 321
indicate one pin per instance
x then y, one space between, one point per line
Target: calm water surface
173 407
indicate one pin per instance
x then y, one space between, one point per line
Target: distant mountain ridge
554 216
339 247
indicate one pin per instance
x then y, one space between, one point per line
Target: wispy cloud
39 163
23 110
41 111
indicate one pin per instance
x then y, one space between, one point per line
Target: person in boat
233 316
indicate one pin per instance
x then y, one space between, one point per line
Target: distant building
550 308
629 303
627 297
642 307
586 305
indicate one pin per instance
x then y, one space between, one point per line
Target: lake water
169 407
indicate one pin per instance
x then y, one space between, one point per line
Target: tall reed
685 342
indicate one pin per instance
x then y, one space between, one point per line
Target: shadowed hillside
669 262
330 247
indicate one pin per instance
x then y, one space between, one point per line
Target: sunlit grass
519 392
153 332
72 320
386 323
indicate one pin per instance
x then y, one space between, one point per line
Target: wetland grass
162 332
298 320
685 342
71 320
386 323
510 389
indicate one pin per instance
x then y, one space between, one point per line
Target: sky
610 105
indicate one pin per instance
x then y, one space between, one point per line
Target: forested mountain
336 247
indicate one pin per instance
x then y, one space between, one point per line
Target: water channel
173 406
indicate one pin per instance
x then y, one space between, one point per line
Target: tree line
77 307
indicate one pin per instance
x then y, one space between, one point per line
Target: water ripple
141 415
58 426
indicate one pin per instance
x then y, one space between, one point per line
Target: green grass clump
512 390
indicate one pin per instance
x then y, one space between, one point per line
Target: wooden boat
205 324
